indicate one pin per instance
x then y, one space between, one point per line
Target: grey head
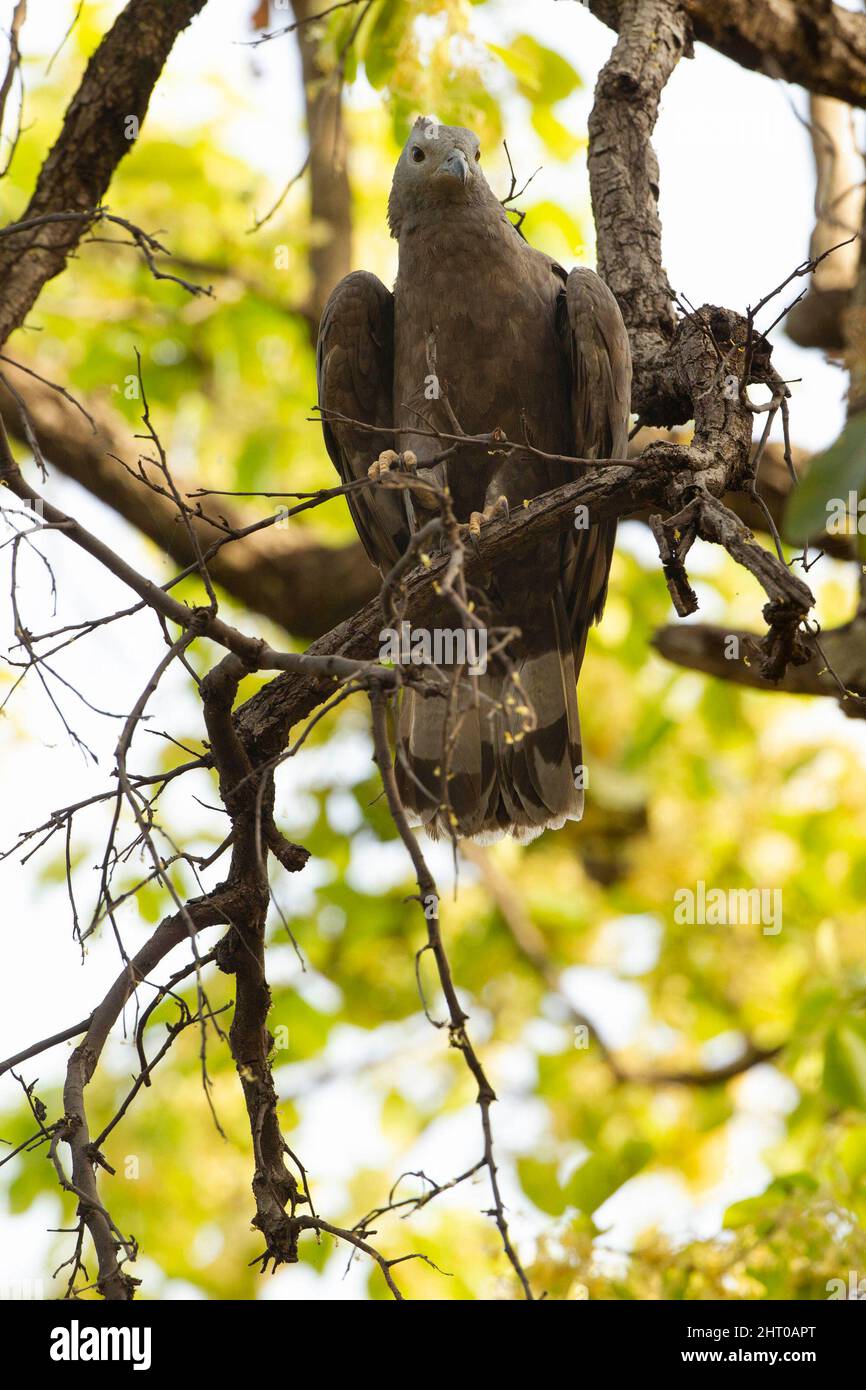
438 167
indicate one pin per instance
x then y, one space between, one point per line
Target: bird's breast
475 341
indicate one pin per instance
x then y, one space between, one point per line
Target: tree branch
113 1282
277 572
241 953
816 44
819 318
95 136
624 183
330 195
837 670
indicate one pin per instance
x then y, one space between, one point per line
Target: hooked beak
456 166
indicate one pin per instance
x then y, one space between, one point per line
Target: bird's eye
477 154
418 154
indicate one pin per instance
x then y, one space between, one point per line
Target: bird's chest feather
474 334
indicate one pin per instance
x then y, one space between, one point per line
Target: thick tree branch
624 182
774 488
248 801
661 479
304 586
816 44
97 132
838 669
819 319
673 378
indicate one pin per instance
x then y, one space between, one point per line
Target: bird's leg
504 491
420 503
498 507
383 464
492 509
390 461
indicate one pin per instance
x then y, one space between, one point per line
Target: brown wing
596 343
355 373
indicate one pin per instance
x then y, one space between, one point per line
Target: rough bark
624 182
854 332
248 801
814 43
774 489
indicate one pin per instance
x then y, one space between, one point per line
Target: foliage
833 476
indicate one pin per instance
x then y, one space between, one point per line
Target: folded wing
596 344
355 372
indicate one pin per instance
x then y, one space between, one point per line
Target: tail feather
446 769
505 770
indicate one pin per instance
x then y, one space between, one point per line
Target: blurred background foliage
617 1188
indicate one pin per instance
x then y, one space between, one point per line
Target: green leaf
845 1063
762 1211
547 224
523 68
543 75
852 1152
841 469
790 1184
541 1185
754 1211
603 1173
557 138
383 41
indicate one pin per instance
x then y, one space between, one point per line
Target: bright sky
736 207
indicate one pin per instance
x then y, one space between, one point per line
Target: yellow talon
384 463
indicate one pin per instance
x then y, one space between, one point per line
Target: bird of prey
481 332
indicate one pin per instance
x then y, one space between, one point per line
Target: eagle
482 333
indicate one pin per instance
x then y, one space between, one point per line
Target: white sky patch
616 1008
629 944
